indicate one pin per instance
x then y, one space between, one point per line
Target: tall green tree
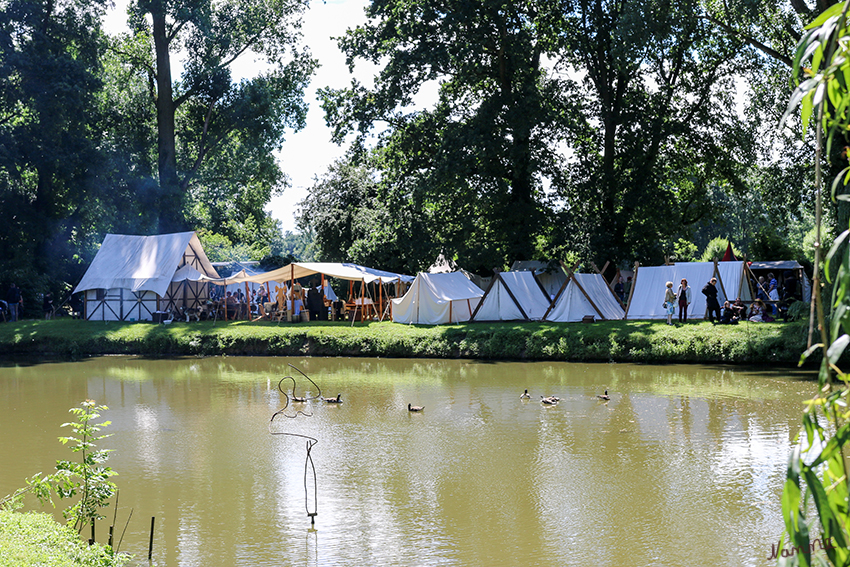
215 135
658 131
474 161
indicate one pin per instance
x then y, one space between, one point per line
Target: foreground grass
36 539
618 341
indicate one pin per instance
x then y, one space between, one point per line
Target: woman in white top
669 302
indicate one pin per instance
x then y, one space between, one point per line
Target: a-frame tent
647 296
513 296
585 295
435 299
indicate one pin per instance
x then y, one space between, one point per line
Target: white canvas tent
513 296
130 277
585 295
434 299
732 282
551 275
649 284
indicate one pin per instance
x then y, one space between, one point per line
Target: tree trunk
171 197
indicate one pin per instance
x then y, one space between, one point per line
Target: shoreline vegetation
603 341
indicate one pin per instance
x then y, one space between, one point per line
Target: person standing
47 306
772 291
297 301
316 302
620 290
684 295
669 302
15 301
710 293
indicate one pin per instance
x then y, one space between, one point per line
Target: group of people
732 312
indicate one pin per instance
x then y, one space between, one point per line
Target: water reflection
684 466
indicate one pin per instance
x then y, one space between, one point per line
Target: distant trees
594 127
97 135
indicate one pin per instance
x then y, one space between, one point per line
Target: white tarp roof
187 272
434 299
649 287
572 305
143 263
343 271
498 305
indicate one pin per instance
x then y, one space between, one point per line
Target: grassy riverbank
37 540
607 341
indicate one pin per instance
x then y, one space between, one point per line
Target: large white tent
649 284
551 275
585 295
131 276
513 296
434 299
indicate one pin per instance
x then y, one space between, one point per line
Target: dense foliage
494 131
600 130
97 136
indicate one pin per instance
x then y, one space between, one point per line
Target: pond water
683 466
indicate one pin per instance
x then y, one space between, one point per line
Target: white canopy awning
351 272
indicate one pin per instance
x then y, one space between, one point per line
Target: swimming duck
525 395
550 400
335 400
604 396
415 408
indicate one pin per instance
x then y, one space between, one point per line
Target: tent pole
248 302
225 299
450 312
631 292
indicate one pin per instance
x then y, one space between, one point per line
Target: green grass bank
606 341
37 540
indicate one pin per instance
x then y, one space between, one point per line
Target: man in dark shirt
710 293
316 302
15 301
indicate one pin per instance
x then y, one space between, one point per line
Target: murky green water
684 466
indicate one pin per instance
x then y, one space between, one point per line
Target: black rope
310 440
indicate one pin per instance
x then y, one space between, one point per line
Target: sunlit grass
628 341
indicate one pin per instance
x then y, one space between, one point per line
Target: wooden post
225 299
631 292
150 545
